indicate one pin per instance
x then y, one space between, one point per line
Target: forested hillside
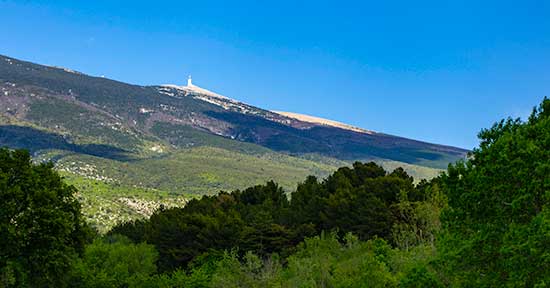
482 223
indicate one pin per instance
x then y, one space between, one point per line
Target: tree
115 262
496 226
41 226
323 261
418 215
307 202
360 200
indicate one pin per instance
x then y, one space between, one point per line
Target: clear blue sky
437 71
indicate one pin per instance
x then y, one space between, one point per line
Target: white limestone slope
322 121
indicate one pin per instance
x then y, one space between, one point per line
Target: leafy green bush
496 229
323 261
114 262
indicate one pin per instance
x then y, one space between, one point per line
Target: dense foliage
114 262
497 229
362 200
483 223
41 229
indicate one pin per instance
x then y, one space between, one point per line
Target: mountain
129 147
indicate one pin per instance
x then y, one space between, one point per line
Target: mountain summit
194 89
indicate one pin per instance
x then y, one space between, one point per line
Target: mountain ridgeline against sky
124 116
130 148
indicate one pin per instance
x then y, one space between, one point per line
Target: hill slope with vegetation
167 145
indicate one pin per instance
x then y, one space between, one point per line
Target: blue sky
437 71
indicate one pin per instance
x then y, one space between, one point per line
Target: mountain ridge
138 108
167 144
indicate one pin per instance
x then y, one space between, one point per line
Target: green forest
484 222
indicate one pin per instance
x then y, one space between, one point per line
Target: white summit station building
196 89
